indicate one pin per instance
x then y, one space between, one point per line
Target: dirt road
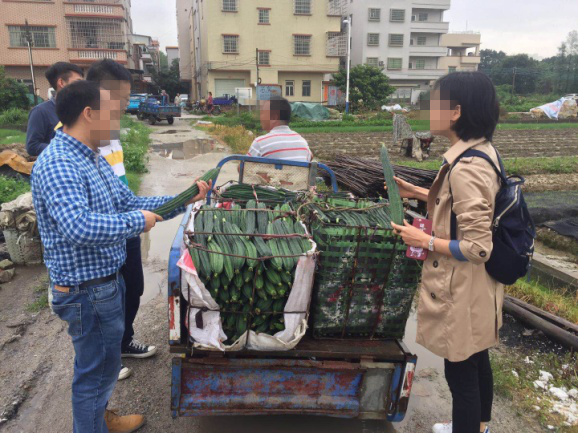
36 355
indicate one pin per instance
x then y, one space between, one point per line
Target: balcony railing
90 55
336 44
115 2
430 26
428 50
336 7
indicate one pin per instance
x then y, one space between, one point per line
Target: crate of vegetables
251 277
365 284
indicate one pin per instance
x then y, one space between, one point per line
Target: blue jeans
95 317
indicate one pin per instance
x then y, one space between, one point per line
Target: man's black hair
277 103
108 70
61 70
73 99
476 95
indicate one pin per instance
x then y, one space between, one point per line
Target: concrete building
172 54
79 31
403 37
184 15
297 44
463 52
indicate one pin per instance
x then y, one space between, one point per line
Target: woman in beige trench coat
459 311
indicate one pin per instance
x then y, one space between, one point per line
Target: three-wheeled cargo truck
348 378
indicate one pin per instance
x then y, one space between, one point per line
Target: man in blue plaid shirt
85 215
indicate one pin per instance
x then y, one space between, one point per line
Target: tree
170 80
163 61
491 59
12 93
369 87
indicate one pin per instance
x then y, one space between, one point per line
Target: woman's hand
406 189
412 236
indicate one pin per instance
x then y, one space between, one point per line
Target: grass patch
14 117
134 181
236 137
135 145
555 302
519 387
12 188
41 296
536 126
516 166
11 136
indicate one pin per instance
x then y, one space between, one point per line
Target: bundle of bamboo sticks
364 177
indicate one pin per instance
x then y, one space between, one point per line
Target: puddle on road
185 150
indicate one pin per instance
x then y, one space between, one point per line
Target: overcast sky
536 27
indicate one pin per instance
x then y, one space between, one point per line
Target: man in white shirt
281 142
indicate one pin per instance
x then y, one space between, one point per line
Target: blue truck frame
367 379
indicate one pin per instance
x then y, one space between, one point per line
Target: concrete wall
184 8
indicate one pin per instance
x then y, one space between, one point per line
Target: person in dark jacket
42 120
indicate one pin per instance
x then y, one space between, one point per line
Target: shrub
236 137
12 93
11 188
14 117
135 145
247 120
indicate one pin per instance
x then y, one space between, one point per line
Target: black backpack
513 229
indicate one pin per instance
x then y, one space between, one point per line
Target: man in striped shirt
281 142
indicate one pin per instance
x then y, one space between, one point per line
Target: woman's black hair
475 93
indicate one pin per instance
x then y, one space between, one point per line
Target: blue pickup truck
365 379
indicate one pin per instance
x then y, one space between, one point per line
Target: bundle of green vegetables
246 257
246 192
344 212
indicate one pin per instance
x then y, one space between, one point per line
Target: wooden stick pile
364 177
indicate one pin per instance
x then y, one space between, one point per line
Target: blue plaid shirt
85 213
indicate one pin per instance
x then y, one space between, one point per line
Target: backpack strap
501 172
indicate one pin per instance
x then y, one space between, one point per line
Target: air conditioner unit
382 63
414 17
410 65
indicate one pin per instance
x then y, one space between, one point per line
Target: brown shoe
123 424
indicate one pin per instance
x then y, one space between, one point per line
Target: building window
419 64
373 39
421 40
302 45
42 37
393 63
397 15
229 5
452 69
374 14
290 88
264 58
306 90
99 33
422 16
372 61
230 44
264 16
395 40
302 7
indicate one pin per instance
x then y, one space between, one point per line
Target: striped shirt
281 143
114 156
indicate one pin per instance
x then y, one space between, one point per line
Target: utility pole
514 83
348 22
30 43
258 79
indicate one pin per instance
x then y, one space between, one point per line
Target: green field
10 136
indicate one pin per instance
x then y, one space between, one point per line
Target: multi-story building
145 56
172 55
184 14
404 37
77 31
295 44
463 51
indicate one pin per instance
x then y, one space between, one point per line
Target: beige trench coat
460 305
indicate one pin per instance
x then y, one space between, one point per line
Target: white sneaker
125 372
445 427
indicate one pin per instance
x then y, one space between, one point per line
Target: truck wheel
216 110
171 120
152 120
139 116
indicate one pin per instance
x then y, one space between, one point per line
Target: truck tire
152 120
171 120
140 116
216 110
